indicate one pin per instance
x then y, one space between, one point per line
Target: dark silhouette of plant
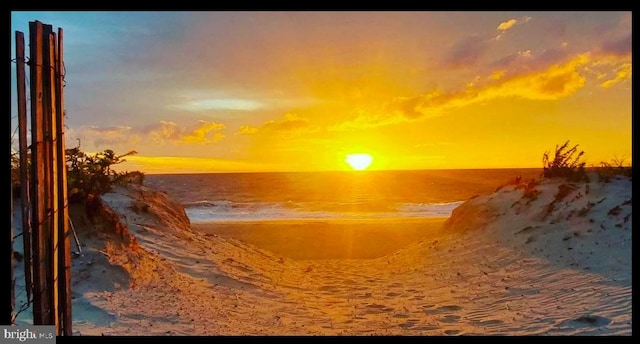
87 175
617 167
90 176
565 163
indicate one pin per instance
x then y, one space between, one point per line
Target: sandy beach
335 239
502 264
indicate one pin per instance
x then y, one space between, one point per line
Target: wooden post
12 303
52 167
50 239
64 237
41 302
24 161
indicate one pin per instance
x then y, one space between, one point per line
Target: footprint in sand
408 324
441 309
486 323
449 319
426 328
451 332
586 321
377 309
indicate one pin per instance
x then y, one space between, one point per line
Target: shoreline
332 221
327 239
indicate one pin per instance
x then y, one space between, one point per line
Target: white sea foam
224 210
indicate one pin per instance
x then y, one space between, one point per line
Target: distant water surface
225 197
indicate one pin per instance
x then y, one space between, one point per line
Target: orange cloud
101 136
556 82
126 138
506 25
205 132
174 164
290 122
163 131
170 132
366 117
246 130
623 73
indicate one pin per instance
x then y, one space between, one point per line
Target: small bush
91 175
565 163
617 167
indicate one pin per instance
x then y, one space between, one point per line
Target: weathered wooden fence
43 178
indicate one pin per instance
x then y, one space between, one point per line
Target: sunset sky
297 91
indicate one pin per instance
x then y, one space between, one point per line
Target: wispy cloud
623 73
558 81
527 61
555 82
175 164
290 122
246 130
467 51
220 104
205 132
163 131
93 138
365 117
166 132
504 26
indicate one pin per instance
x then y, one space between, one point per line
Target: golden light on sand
359 161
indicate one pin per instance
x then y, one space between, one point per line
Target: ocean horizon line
349 171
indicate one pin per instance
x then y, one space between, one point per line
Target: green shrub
565 163
91 175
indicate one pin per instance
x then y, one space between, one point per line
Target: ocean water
238 197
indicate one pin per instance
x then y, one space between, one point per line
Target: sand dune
503 264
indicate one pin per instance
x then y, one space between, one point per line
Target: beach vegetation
565 163
87 174
616 167
92 175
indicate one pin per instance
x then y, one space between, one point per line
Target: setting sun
359 161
